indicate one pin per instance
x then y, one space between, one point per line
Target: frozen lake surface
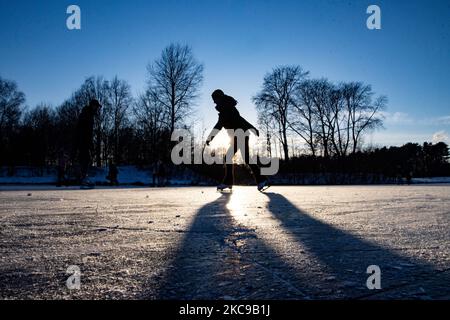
194 243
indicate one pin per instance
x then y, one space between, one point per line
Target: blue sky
239 41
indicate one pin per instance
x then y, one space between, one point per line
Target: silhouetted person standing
85 135
229 118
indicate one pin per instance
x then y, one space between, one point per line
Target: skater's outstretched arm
251 127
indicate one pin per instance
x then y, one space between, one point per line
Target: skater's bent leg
229 167
229 175
256 170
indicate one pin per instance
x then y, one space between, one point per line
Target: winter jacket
229 117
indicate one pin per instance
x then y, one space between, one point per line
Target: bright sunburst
221 141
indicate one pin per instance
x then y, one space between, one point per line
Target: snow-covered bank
128 175
431 180
28 175
131 175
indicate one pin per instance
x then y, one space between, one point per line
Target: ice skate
263 186
224 187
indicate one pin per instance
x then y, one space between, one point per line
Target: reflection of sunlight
236 205
248 208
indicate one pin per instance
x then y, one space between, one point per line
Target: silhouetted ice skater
229 118
85 136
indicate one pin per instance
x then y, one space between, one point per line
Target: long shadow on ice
219 259
346 258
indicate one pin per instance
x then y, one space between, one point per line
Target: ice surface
195 243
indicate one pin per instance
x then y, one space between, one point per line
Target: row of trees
380 164
368 166
331 119
131 130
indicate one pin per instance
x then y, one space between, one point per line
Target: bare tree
266 124
320 98
333 118
39 125
11 101
304 121
119 100
151 119
11 105
276 97
175 79
337 121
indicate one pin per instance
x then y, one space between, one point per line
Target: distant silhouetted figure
229 118
159 174
113 174
409 176
85 135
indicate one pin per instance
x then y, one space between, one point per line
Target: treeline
371 166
